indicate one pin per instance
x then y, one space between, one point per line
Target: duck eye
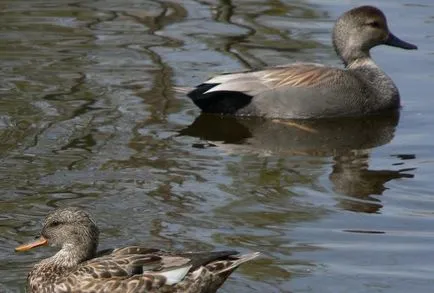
375 24
55 224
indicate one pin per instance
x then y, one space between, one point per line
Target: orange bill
38 242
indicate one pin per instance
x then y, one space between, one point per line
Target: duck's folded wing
230 92
255 82
301 75
126 272
135 250
127 262
111 266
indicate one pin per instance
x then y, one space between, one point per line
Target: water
89 117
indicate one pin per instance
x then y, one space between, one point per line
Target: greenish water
89 117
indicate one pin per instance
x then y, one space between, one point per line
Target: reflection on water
88 117
322 137
347 140
351 177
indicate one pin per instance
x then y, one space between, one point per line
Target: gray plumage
77 267
309 90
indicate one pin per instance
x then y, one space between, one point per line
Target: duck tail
239 261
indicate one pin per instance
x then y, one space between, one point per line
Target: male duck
307 90
77 267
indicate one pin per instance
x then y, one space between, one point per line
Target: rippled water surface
89 117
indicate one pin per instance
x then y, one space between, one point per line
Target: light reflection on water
89 117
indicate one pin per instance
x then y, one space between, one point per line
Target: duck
310 90
78 267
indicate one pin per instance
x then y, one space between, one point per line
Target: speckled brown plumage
77 267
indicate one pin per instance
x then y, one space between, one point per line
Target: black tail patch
223 102
197 93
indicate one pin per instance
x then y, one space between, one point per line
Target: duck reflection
310 137
347 140
351 176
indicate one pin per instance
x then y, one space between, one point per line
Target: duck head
72 230
360 29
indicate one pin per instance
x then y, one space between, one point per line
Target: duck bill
41 241
394 41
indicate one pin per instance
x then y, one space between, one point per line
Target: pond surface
89 117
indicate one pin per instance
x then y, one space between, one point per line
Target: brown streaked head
67 226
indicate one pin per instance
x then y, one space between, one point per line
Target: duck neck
72 254
352 55
383 89
349 48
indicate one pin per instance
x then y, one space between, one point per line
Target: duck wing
228 93
137 269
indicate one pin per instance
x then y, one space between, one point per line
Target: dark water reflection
89 117
317 137
351 177
347 141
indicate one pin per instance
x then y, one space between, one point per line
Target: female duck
77 267
307 90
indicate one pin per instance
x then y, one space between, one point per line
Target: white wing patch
173 276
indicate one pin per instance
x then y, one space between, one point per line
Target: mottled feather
134 269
